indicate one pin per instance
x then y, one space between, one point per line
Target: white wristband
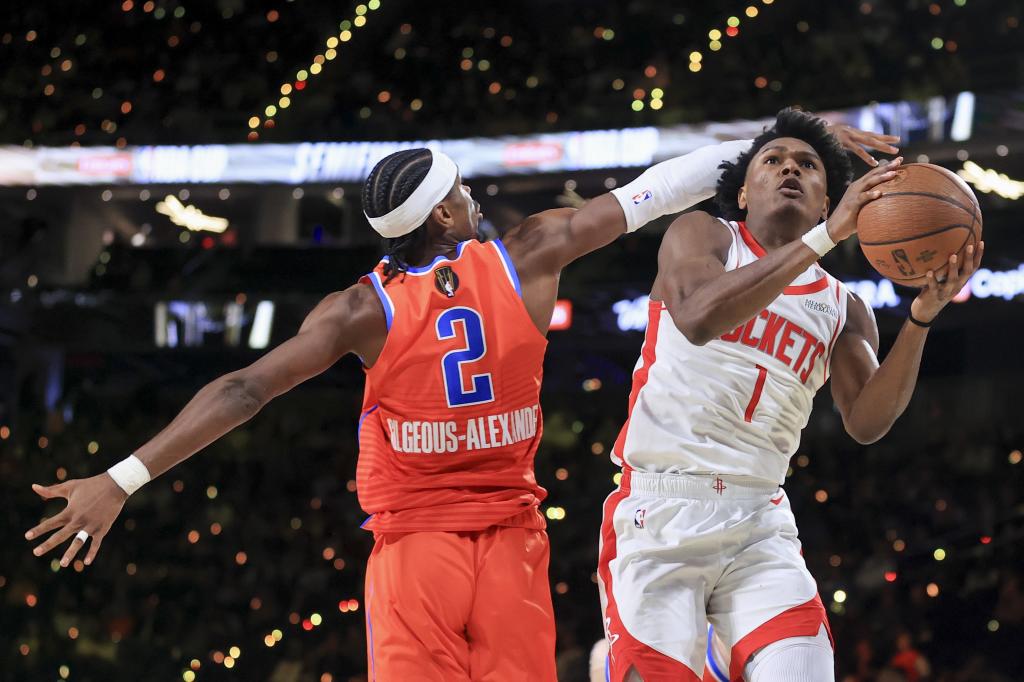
130 474
817 238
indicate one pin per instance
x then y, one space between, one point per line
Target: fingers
953 270
97 540
48 492
54 540
864 156
856 140
880 143
48 525
977 257
882 173
72 550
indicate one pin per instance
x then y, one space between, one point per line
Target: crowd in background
176 72
261 533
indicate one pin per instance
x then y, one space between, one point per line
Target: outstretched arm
552 239
869 396
347 321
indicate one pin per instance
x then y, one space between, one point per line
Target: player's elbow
866 434
243 393
696 330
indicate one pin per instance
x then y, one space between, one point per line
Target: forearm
216 409
734 297
887 393
677 184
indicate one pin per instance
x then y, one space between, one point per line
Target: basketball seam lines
919 236
931 195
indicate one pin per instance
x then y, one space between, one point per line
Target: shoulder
358 306
533 227
533 244
698 233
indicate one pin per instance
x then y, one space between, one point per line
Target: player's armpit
349 321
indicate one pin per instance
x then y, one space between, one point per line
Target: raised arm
348 321
546 242
705 300
550 240
869 396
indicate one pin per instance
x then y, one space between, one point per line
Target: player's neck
773 232
444 245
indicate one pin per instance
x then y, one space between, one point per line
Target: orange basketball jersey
451 416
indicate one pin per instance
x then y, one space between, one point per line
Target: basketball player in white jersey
744 328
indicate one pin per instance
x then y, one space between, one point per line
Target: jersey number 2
452 364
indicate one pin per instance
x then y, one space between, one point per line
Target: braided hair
391 181
794 123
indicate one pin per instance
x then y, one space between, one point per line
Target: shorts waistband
698 486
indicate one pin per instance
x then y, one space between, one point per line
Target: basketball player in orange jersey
452 334
744 328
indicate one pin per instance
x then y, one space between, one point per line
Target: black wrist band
919 323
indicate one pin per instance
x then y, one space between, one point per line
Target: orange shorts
460 606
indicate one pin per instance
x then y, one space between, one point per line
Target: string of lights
716 36
290 89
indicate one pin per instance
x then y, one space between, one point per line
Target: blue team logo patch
638 518
642 197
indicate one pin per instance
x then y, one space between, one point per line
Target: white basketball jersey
737 404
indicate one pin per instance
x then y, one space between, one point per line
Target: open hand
93 504
855 140
940 290
843 221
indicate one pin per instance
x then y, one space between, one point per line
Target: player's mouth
791 187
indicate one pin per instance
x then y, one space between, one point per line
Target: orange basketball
925 214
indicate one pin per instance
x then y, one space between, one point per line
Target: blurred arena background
179 185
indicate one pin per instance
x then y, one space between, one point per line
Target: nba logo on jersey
642 197
638 518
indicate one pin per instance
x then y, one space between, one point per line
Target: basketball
925 214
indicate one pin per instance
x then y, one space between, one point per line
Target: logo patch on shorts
719 485
638 518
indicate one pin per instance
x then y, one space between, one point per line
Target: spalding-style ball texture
925 214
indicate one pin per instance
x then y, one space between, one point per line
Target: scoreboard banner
936 120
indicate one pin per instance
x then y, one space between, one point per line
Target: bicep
855 356
330 331
692 254
550 240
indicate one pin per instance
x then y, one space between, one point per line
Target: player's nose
790 167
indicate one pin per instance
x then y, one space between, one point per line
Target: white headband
412 212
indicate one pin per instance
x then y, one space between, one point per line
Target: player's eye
809 164
771 159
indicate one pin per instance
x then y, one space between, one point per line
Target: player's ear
824 210
741 197
443 215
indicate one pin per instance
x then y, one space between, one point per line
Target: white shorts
679 552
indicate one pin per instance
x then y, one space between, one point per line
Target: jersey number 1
481 390
762 374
